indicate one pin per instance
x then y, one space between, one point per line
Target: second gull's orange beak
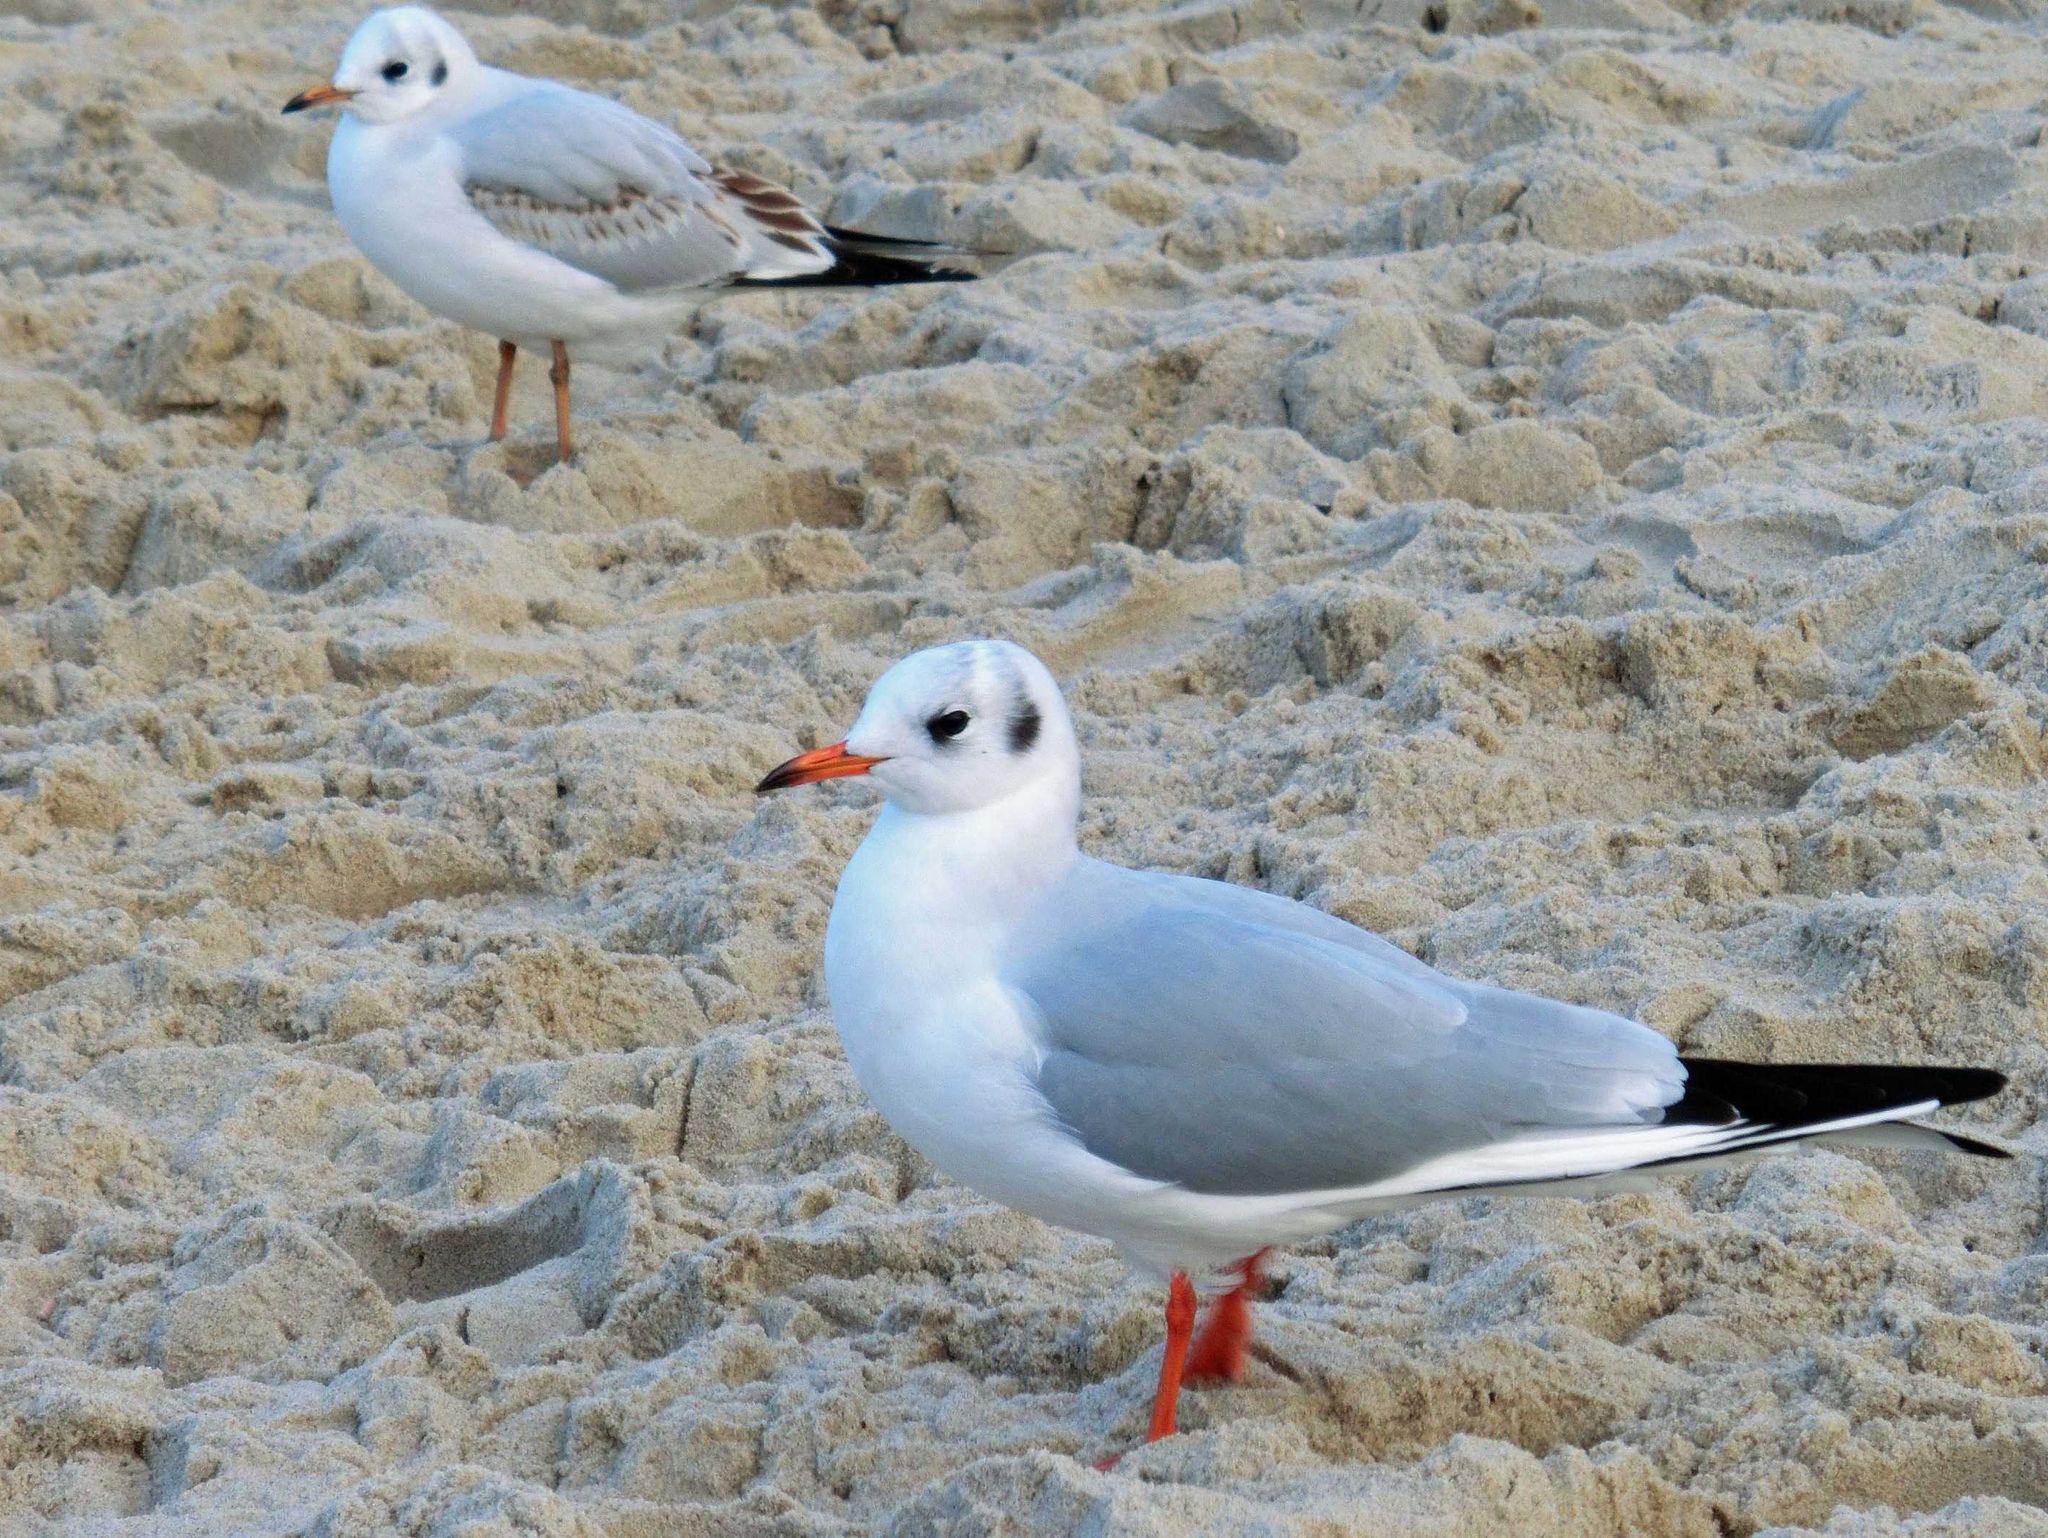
830 763
318 96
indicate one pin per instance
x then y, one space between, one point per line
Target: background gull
554 219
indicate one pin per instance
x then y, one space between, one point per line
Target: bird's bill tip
827 763
317 96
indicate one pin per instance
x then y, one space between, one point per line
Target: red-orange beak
319 96
819 764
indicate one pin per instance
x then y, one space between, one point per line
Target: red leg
559 375
508 355
1219 1352
1180 1325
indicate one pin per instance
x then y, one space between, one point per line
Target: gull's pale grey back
1239 1044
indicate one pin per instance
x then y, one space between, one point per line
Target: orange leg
1219 1353
559 374
1180 1326
507 356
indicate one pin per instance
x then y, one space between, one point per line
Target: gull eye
394 71
944 728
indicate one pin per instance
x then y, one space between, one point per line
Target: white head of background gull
554 219
1198 1071
401 63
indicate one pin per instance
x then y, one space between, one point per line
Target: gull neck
1009 848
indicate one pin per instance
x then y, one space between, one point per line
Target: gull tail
1729 1111
1756 1104
870 261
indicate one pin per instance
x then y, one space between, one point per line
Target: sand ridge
1558 487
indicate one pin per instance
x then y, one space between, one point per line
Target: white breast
948 1053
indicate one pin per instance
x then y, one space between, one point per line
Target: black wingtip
877 261
853 269
1791 1092
906 246
1962 1142
1967 1084
1789 1096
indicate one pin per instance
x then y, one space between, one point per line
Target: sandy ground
1563 490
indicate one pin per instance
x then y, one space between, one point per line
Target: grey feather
1236 1043
569 147
594 184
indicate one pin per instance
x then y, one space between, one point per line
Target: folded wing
1237 1044
596 185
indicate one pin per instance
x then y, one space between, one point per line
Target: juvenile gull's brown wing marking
773 214
639 241
773 211
632 215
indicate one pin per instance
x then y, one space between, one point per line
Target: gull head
954 729
400 61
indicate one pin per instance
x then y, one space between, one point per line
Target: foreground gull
553 219
1198 1071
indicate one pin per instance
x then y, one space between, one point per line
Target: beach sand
1561 487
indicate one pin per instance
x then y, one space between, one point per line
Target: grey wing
1265 910
1188 1038
598 186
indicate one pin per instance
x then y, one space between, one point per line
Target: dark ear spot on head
441 73
1023 727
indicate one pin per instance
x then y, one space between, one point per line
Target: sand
1559 486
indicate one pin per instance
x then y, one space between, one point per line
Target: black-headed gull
1198 1071
553 219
